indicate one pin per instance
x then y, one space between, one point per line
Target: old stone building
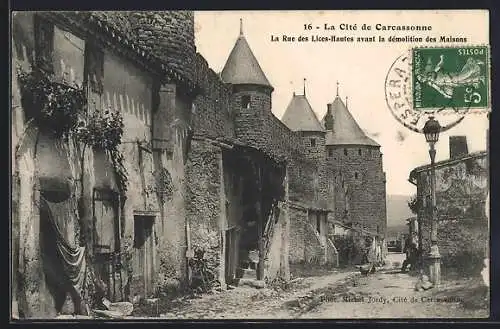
462 188
82 209
133 160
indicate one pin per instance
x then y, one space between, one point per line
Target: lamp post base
435 266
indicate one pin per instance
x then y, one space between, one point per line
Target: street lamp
431 131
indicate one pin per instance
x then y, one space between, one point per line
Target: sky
359 68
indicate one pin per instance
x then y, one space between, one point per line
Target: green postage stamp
450 77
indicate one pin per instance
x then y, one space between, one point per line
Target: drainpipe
189 252
222 222
420 214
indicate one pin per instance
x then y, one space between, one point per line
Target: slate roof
299 115
242 67
346 130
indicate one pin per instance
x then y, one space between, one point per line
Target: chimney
458 146
329 118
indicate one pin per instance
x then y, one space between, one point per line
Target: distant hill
397 213
394 231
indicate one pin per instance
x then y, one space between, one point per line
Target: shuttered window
68 57
106 225
94 68
44 43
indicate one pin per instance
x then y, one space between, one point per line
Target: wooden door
106 237
232 252
144 252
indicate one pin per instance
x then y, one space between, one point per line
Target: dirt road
338 295
391 294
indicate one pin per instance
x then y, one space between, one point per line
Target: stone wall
250 123
203 202
322 178
316 152
308 174
461 192
306 245
277 263
360 185
303 180
314 251
213 114
297 235
280 139
258 127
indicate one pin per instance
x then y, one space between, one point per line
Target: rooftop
346 130
242 67
299 115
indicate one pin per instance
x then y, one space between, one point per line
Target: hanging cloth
73 258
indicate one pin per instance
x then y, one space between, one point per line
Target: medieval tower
300 118
354 159
360 193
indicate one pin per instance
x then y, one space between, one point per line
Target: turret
251 88
300 117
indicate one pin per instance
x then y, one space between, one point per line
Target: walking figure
411 254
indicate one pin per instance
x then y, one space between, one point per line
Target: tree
414 204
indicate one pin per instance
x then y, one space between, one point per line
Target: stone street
338 295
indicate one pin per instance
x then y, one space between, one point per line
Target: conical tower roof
299 115
242 67
346 130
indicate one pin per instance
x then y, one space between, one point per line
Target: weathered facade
461 192
72 188
203 165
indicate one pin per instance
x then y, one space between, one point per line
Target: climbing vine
60 108
126 256
414 204
163 184
54 106
104 130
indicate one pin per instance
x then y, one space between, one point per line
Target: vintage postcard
250 164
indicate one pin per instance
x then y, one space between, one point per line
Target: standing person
378 252
485 273
372 255
411 254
